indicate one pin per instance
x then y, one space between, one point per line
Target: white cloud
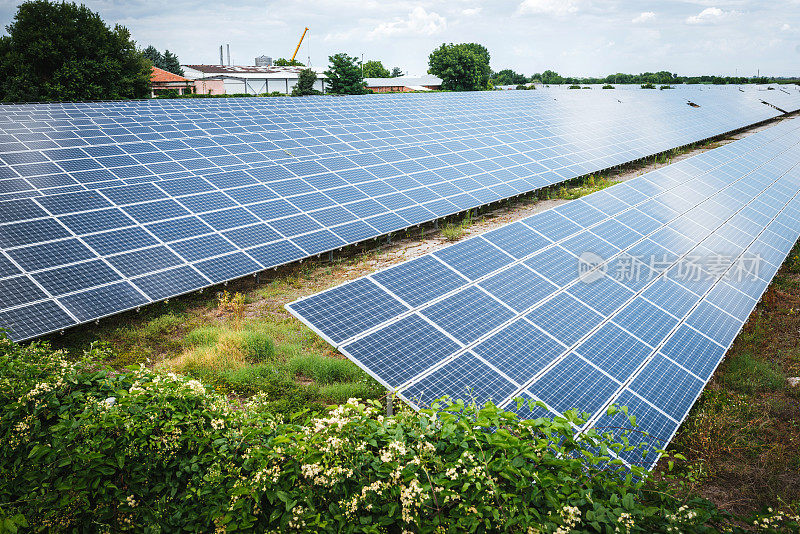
710 15
471 11
786 28
647 16
418 22
547 7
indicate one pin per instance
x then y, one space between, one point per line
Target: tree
396 72
282 62
462 67
172 63
551 77
155 57
61 51
375 69
344 75
508 77
305 84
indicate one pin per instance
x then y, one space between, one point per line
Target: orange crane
298 45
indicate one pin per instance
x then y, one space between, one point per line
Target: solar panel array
631 295
105 207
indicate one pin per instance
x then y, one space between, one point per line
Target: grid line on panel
516 152
534 379
766 188
656 352
523 259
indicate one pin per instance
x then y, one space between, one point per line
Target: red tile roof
161 75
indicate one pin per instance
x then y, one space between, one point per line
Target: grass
744 373
581 187
249 356
455 231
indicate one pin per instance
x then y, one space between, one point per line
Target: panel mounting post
390 403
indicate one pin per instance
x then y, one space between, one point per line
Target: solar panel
139 201
588 313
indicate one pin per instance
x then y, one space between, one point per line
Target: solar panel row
631 295
114 205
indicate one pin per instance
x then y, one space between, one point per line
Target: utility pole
362 64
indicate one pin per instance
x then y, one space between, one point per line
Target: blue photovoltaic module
630 296
105 207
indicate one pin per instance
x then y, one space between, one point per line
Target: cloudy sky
573 37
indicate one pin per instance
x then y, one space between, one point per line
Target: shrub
648 86
91 449
574 87
608 86
453 232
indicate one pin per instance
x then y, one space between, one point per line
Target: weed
202 336
233 305
793 261
258 346
324 370
746 374
453 232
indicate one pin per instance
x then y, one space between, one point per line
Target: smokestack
221 61
229 54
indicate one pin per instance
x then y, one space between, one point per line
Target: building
162 81
263 61
248 80
404 84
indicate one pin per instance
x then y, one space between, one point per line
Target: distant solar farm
107 207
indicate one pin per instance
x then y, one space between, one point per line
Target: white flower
194 385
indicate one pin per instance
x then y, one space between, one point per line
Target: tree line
549 77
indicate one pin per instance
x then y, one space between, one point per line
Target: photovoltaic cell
602 333
126 176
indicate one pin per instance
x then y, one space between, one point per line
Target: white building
249 80
404 84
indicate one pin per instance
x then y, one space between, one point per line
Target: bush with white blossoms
168 455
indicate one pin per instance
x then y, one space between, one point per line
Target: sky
572 37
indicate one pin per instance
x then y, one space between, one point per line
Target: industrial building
233 79
404 84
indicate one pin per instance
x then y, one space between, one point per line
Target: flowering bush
92 449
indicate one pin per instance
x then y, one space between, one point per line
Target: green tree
508 77
62 51
344 75
305 84
396 72
283 62
462 67
551 77
172 63
375 69
155 57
